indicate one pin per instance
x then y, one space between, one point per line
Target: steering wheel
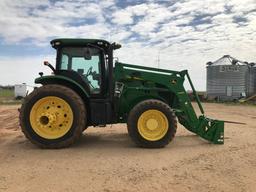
89 72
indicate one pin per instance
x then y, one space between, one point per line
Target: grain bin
230 79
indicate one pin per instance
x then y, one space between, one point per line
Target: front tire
53 116
152 124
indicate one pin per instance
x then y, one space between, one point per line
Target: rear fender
61 80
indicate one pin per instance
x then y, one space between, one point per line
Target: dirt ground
106 160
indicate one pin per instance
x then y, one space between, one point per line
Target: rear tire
53 116
152 124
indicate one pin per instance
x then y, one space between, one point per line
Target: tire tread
67 91
132 123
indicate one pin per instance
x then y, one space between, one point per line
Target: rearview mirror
87 54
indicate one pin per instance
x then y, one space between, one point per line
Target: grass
8 93
7 97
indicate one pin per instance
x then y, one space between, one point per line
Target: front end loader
88 89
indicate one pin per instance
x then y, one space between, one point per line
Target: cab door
88 66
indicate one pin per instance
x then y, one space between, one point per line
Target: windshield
86 62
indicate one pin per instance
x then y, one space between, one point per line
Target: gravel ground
106 160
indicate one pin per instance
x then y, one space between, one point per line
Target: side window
64 62
81 63
89 68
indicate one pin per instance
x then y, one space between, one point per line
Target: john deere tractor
87 88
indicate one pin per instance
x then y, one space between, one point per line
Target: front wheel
151 124
53 116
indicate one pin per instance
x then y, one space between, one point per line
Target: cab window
86 62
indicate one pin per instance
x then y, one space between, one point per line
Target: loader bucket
211 130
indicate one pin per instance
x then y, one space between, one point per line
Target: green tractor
87 88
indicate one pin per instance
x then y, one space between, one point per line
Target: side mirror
116 46
87 54
46 63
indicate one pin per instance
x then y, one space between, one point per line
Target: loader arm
209 129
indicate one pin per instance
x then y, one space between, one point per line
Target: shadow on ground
92 141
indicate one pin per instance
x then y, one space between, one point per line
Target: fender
59 79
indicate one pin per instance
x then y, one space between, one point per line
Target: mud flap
211 130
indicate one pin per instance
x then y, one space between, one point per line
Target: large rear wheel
53 116
152 124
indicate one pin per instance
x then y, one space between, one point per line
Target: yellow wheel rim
51 117
153 125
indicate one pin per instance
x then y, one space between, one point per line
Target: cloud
19 70
183 34
41 20
122 17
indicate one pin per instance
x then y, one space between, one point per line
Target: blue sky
182 34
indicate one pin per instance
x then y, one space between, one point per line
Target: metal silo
254 79
251 79
229 79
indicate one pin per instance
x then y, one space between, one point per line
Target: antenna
158 60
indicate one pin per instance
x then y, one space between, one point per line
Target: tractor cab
86 66
86 61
